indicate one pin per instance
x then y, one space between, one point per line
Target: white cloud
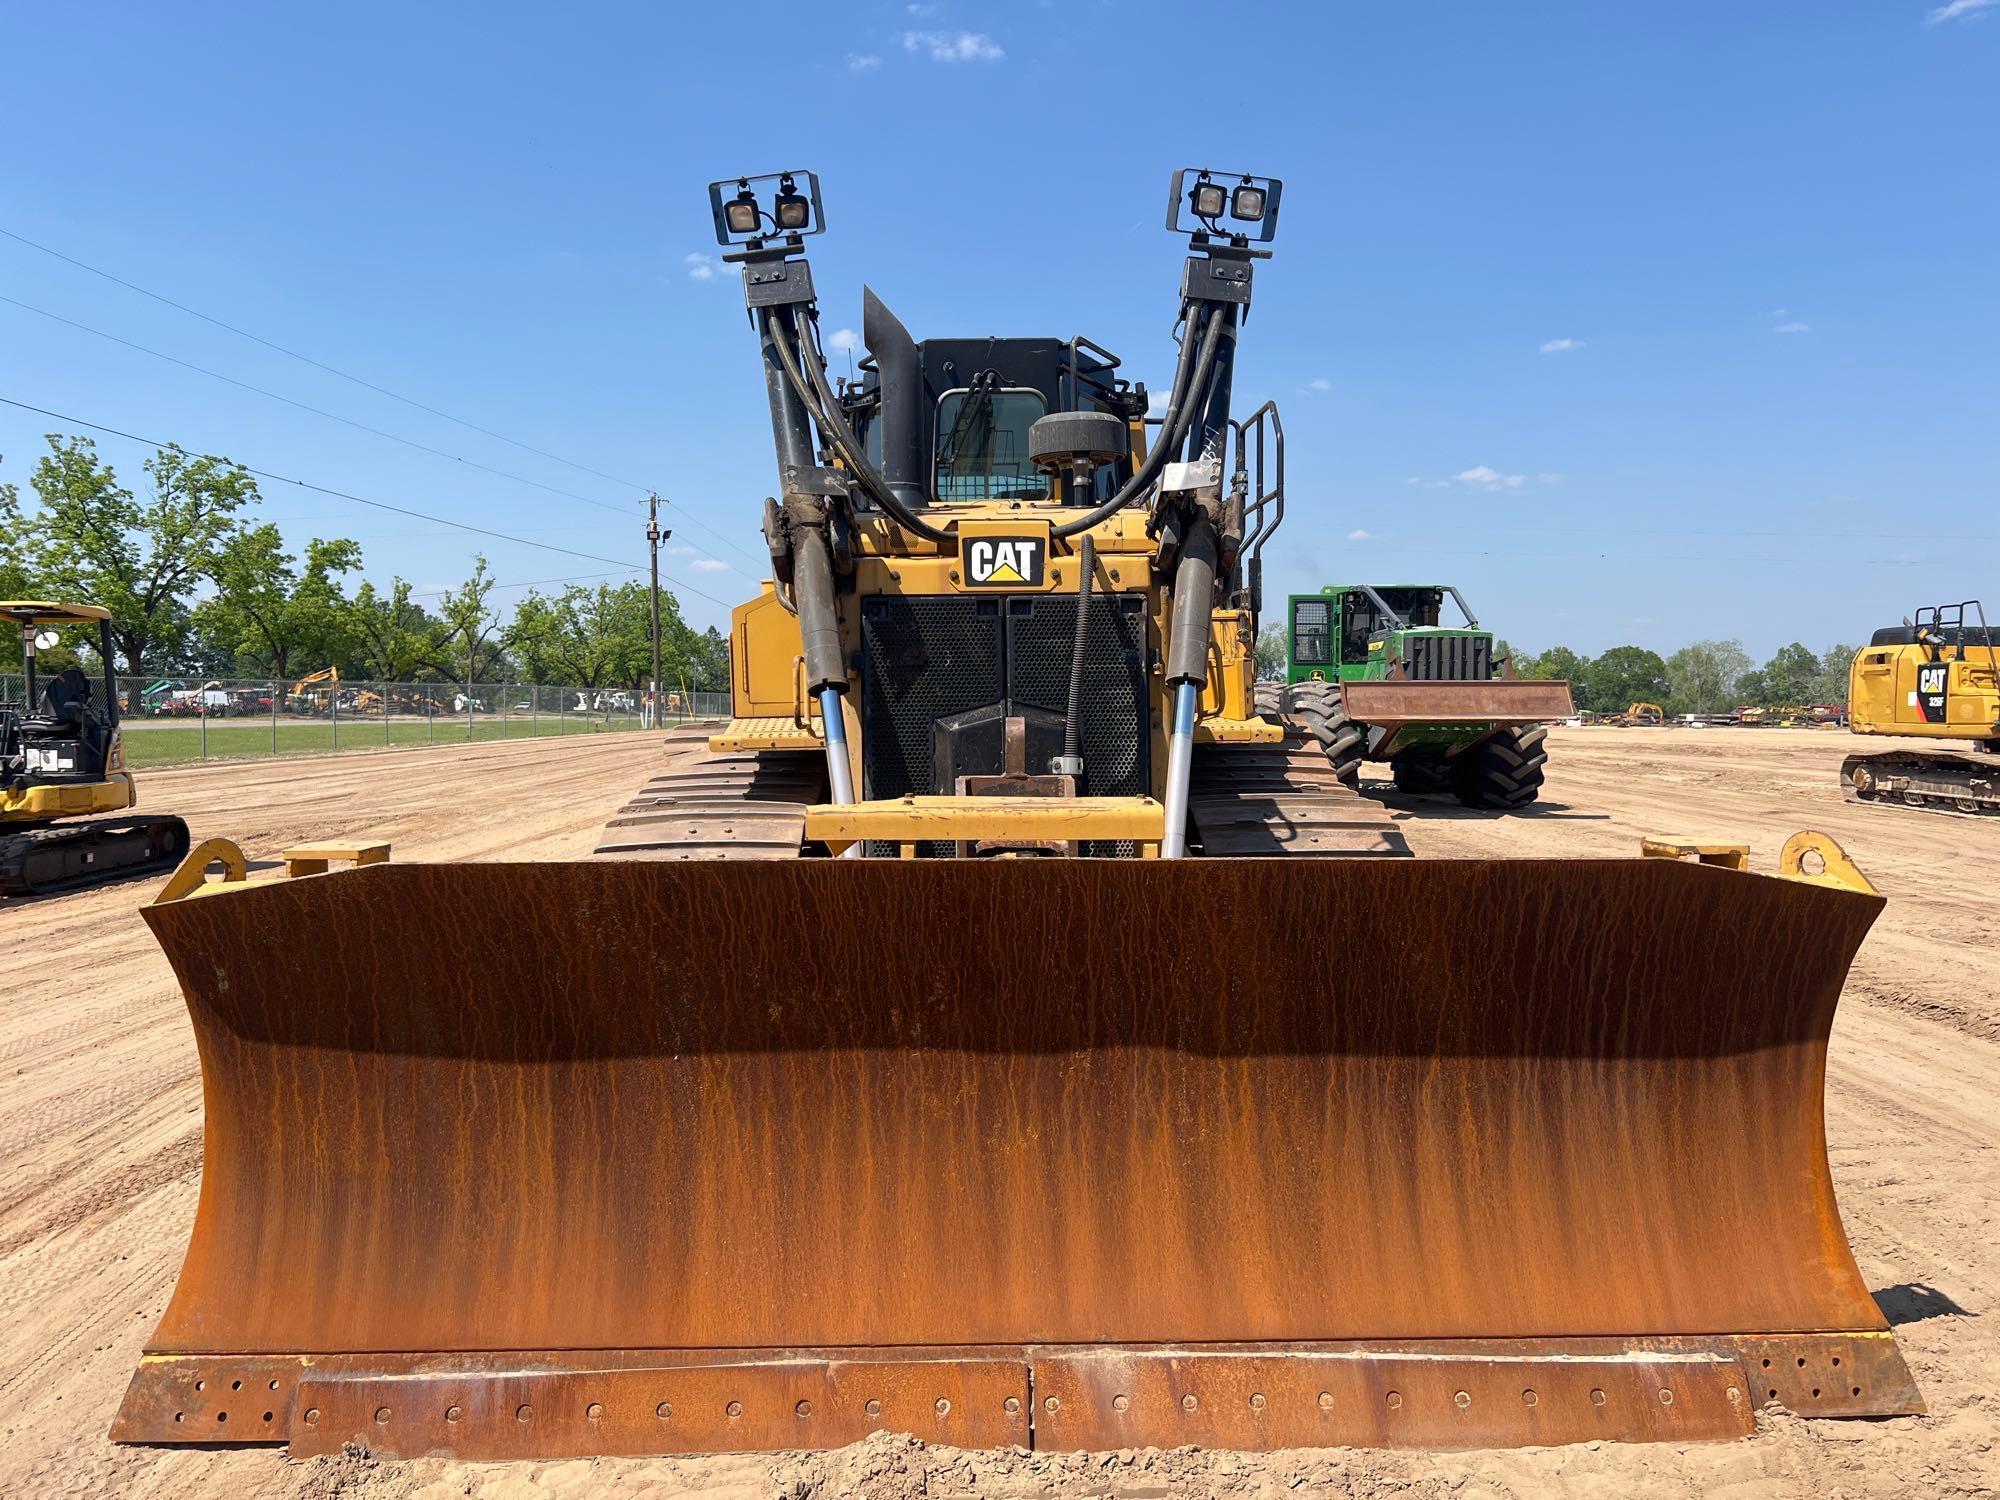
1957 10
1548 479
922 12
1320 384
701 266
1793 327
1561 346
862 62
1486 477
709 565
1360 536
682 551
953 46
844 340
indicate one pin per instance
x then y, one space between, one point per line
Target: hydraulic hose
1072 755
1189 380
801 367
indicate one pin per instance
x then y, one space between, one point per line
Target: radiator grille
921 660
1449 658
927 658
1040 633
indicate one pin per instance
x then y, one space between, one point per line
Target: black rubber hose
1180 412
825 408
1073 718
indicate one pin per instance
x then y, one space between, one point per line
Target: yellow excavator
1017 1038
1936 677
62 761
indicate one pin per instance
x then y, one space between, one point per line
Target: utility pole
653 538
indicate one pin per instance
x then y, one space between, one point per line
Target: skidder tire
1317 708
1504 771
1268 699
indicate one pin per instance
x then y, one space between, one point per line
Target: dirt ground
100 1141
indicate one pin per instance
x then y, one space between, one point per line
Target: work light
742 213
1202 195
794 201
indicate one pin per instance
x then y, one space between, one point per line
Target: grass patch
170 743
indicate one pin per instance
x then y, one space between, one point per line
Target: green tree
1558 664
16 548
1789 676
712 656
1702 675
1752 689
591 637
1829 684
1271 653
141 561
1622 676
285 618
394 638
469 623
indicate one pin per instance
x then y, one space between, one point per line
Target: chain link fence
173 720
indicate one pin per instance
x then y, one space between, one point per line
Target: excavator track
1956 783
750 805
68 856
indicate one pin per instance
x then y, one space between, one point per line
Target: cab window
1311 637
982 446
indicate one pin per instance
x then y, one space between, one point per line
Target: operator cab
948 420
60 733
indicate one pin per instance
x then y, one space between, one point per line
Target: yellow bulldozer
1016 1038
1936 677
65 792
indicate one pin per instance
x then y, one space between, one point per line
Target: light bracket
796 188
1231 194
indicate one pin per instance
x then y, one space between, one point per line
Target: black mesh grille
1449 658
921 660
927 658
1040 633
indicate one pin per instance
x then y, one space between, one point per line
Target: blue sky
1637 322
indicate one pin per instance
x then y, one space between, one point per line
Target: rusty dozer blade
541 1159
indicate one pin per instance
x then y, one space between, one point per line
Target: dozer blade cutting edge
544 1159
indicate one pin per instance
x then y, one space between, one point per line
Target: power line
380 390
320 489
317 411
529 583
370 385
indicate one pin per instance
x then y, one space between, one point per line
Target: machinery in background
1935 677
1375 676
62 760
308 696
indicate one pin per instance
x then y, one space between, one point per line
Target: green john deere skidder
1372 674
